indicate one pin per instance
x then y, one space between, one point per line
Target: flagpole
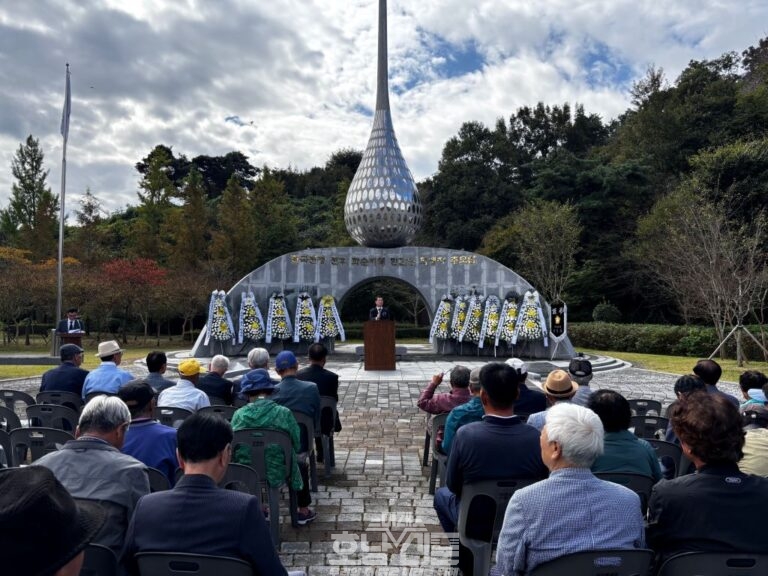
65 133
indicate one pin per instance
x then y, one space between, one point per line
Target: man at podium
71 324
379 311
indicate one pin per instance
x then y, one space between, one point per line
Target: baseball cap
286 359
190 367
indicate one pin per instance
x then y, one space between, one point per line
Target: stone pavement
379 484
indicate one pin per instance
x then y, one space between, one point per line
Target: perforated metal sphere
382 209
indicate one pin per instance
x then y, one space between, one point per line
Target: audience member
327 384
213 383
296 395
580 370
471 411
718 509
68 376
684 385
531 399
147 440
197 516
93 467
440 404
257 358
751 383
709 371
262 412
558 387
43 531
184 394
572 510
623 451
107 378
157 364
754 419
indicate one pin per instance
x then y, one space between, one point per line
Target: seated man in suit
296 395
68 376
531 399
718 509
379 311
213 383
157 364
197 516
93 467
327 383
572 510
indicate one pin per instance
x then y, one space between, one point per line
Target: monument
383 213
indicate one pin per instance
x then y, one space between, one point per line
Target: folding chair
241 478
216 401
157 480
639 484
6 457
649 426
641 406
222 410
37 442
8 419
176 564
257 440
307 428
11 397
68 399
599 563
427 444
439 458
99 561
171 416
328 412
52 416
715 564
481 500
670 452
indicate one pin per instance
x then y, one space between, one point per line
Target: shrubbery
606 312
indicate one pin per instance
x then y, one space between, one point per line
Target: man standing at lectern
379 312
71 324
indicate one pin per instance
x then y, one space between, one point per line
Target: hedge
695 341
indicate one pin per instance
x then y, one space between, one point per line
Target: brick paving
378 474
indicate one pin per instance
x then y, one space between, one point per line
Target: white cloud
150 72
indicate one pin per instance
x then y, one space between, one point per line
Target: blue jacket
64 378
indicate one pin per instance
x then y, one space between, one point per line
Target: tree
89 238
278 229
32 212
234 245
156 189
542 239
188 226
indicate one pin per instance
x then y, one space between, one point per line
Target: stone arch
433 272
430 306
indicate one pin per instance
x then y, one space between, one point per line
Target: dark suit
374 313
215 385
300 396
328 385
199 517
64 378
63 326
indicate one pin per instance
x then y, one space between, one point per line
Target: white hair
220 362
104 414
258 358
579 432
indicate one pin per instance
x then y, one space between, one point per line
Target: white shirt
183 395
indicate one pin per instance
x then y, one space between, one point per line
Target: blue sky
289 82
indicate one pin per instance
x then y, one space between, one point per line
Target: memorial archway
432 272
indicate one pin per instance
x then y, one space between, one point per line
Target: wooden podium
379 344
67 338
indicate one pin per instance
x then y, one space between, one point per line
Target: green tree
88 239
278 229
234 245
156 189
188 225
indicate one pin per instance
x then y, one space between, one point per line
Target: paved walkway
378 490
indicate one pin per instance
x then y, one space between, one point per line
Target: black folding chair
62 398
157 480
668 453
11 397
222 410
99 561
715 564
52 416
439 458
328 413
172 416
599 563
649 426
307 428
36 442
6 458
641 406
9 419
175 564
241 478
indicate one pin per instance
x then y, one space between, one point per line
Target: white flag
67 110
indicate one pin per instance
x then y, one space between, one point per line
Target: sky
289 82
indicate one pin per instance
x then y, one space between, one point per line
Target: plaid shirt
441 403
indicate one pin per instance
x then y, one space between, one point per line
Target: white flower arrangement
329 323
531 324
490 321
278 322
305 320
442 322
459 317
473 324
251 320
220 326
507 319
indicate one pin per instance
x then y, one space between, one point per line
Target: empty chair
668 453
157 480
641 406
328 412
8 419
99 561
439 458
307 427
36 443
222 410
6 453
63 398
11 397
599 563
715 564
52 416
483 500
638 483
171 416
649 426
174 564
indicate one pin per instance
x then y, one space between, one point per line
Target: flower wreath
531 325
305 320
459 316
471 329
442 321
507 319
220 326
278 321
251 324
329 323
490 320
